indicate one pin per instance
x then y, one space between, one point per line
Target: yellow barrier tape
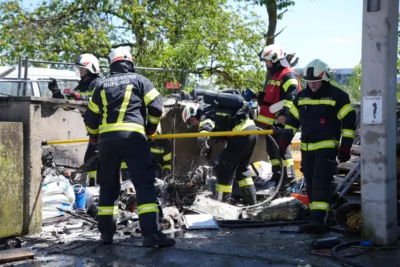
179 135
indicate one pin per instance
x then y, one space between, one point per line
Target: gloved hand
93 139
71 94
282 147
204 147
344 153
53 86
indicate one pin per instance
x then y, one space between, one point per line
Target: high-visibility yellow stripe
123 126
222 114
92 131
273 82
275 162
123 165
209 121
150 96
317 102
93 107
288 162
156 150
246 182
223 188
319 205
288 83
125 103
107 210
319 145
288 104
344 111
92 174
104 101
167 167
146 208
167 157
85 93
294 111
287 126
153 119
265 120
243 125
348 133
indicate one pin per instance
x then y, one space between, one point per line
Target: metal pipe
19 74
25 75
103 66
180 135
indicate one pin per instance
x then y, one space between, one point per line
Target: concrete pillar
378 127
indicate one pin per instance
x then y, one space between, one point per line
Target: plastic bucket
80 197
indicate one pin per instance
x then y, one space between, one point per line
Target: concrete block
11 178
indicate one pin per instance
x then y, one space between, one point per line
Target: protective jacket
283 85
326 118
161 153
84 89
120 105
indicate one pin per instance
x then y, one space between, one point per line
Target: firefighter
161 157
237 153
328 122
88 68
282 85
116 120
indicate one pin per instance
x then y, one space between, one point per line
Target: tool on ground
76 215
249 224
182 135
323 243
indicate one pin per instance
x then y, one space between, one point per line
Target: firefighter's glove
204 147
93 139
71 94
344 153
282 147
53 86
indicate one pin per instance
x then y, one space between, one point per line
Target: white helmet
87 61
119 53
273 53
189 110
315 71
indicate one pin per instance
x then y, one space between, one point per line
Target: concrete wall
11 179
42 119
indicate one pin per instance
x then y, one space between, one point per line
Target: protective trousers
91 169
318 167
236 157
274 156
135 152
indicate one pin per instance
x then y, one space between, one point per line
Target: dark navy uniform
237 153
328 122
116 116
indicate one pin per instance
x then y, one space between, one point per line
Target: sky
327 29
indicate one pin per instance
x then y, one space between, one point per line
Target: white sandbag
55 188
58 198
52 177
264 170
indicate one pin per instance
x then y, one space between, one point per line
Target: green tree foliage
203 37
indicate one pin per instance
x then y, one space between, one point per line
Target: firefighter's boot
158 239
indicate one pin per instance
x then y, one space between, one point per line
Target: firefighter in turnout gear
116 118
88 68
237 153
161 150
328 122
282 85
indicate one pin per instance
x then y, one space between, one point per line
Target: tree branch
122 44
